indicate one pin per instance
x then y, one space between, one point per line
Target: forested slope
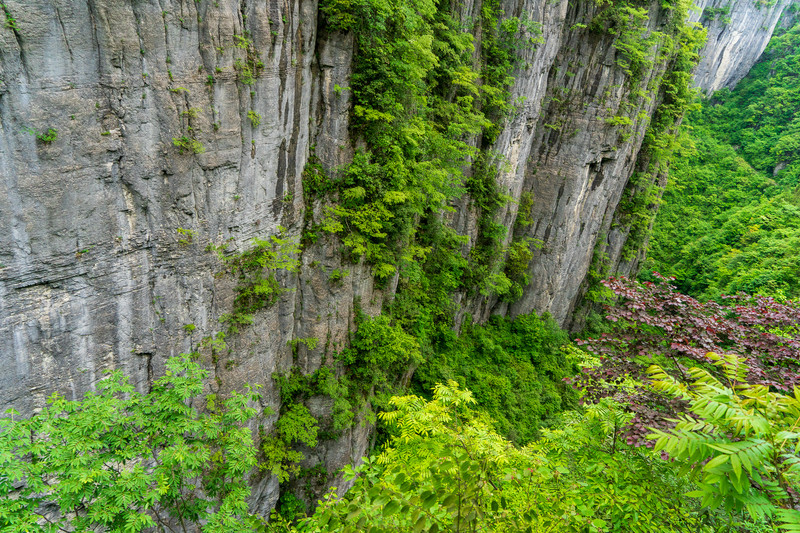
729 220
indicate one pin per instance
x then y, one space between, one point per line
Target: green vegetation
255 118
413 163
45 136
379 352
729 218
447 470
296 387
123 461
11 22
295 425
338 274
418 101
255 270
736 432
551 439
186 236
640 199
185 143
515 368
249 67
126 461
717 13
762 115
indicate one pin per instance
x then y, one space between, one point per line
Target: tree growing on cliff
123 461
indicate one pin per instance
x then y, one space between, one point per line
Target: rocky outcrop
182 123
738 32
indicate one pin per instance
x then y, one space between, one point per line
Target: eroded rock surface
738 32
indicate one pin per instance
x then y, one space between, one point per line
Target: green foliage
46 137
414 93
255 118
518 256
295 426
524 212
728 224
430 272
192 112
186 236
379 352
717 13
501 38
11 22
290 507
296 388
338 274
418 102
309 342
122 461
447 470
249 67
762 115
485 257
515 368
315 180
740 441
752 249
185 143
255 270
640 200
634 43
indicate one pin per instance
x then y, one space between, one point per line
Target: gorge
176 124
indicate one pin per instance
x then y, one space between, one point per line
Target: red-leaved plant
652 320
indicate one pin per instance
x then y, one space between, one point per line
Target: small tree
741 441
123 461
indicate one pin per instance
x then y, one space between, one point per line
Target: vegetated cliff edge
135 133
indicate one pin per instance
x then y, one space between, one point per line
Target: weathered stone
738 32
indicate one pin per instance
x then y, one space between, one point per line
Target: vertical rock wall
738 32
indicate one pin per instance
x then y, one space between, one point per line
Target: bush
120 460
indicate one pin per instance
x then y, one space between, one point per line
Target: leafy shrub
188 144
255 118
515 368
45 136
740 440
255 270
125 461
447 470
379 352
296 425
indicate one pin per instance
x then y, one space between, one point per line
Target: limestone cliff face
738 32
103 230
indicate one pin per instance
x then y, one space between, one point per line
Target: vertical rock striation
738 32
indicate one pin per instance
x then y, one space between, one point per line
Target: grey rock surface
738 32
103 231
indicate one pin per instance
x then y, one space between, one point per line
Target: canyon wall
738 32
181 123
